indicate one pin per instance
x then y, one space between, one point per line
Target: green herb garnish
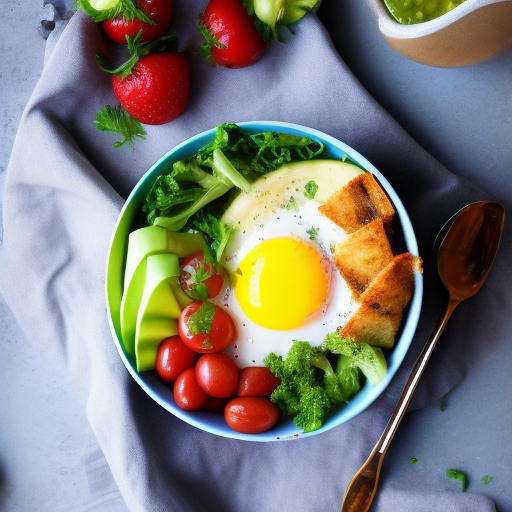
201 321
291 204
310 189
117 120
413 460
312 232
486 479
458 475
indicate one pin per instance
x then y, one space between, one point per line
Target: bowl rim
215 423
391 28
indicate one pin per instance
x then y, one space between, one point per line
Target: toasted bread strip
359 202
363 255
378 318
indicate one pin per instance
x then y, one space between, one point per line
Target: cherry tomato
172 358
200 279
188 394
215 404
206 328
257 381
218 375
236 42
160 11
251 415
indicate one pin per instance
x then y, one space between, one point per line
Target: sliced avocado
159 309
151 334
272 190
143 243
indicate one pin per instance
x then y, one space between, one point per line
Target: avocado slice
143 243
272 190
159 309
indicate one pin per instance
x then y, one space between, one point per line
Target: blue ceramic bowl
162 393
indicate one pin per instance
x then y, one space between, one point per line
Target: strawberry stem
120 9
138 50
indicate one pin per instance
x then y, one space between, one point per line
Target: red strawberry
160 11
153 87
232 40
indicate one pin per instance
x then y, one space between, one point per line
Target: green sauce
409 12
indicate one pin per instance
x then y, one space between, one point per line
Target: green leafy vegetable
234 156
117 120
201 321
217 232
458 475
310 189
486 479
102 10
225 168
370 360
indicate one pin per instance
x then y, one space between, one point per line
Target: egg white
255 342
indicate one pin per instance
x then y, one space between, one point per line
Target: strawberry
153 84
232 39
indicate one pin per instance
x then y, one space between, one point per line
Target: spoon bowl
468 244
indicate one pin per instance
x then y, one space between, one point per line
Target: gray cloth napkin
64 189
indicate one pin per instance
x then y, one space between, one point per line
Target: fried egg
284 284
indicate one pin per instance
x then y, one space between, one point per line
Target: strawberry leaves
116 119
138 50
103 10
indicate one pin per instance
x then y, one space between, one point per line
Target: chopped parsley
291 204
201 321
486 479
458 475
310 189
312 232
413 460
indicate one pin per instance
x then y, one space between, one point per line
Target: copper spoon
467 247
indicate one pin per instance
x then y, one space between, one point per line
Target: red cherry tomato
188 394
257 381
200 279
218 375
206 328
215 404
251 415
172 358
239 43
160 11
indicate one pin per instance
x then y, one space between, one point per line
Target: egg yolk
282 282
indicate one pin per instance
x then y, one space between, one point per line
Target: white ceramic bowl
162 393
475 31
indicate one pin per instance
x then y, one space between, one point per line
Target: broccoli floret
348 375
315 406
332 387
370 360
308 387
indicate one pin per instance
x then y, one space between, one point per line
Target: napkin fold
64 189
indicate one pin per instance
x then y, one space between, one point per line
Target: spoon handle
361 490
